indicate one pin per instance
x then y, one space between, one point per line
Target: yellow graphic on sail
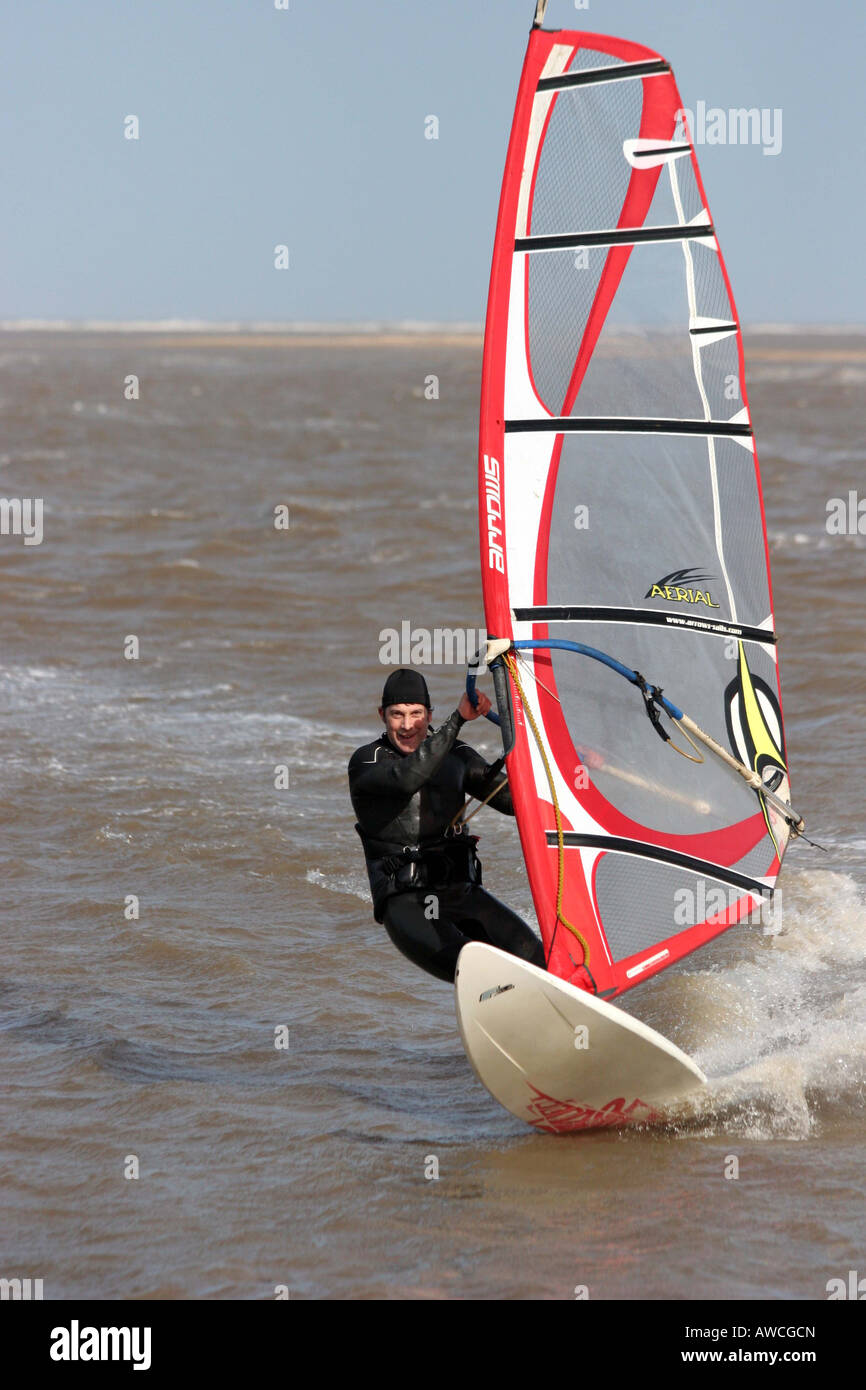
763 747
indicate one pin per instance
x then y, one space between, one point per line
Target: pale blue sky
261 126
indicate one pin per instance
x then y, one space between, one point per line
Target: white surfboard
560 1058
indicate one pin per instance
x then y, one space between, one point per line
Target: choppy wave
353 885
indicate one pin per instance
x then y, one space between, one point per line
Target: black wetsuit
425 879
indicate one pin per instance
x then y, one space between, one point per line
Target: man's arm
403 776
477 783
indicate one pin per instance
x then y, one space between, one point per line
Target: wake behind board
558 1057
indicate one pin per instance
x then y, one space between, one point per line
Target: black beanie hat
405 688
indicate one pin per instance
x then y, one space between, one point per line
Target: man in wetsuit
407 787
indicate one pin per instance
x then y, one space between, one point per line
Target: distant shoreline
252 328
849 344
398 331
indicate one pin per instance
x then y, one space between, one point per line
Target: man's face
406 725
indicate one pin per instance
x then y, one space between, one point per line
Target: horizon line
367 327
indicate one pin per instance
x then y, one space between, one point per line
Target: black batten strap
586 77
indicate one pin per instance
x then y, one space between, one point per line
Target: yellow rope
560 867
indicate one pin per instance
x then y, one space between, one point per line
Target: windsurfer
407 789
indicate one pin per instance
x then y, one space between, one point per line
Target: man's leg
421 925
481 917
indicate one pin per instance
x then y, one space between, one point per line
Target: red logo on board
561 1116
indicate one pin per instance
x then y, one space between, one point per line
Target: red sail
620 507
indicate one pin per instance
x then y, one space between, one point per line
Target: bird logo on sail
682 586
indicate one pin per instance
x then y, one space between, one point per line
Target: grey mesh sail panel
642 903
655 493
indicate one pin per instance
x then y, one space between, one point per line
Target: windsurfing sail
621 510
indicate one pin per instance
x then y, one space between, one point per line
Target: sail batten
654 68
625 424
619 236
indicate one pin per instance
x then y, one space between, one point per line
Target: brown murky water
155 777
